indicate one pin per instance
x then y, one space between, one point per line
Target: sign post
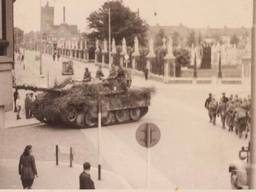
148 135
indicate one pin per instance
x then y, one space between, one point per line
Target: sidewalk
57 177
11 121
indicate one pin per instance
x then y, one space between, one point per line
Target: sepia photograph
127 95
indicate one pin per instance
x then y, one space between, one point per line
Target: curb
24 125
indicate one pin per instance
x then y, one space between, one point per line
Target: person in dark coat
27 168
85 180
27 106
15 97
146 74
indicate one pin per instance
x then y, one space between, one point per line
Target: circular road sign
148 135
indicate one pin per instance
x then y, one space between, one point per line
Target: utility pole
252 173
109 36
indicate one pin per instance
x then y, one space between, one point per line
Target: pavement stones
57 177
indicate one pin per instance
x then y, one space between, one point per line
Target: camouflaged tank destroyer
77 104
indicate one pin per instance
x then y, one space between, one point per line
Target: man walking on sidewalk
85 178
15 97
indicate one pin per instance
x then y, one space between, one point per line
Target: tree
182 57
176 39
124 23
191 39
234 40
158 39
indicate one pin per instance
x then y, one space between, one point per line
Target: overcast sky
192 13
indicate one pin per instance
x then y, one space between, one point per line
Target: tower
47 15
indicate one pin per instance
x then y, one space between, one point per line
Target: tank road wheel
89 120
72 114
109 119
135 114
122 116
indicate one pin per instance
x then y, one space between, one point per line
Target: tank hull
76 109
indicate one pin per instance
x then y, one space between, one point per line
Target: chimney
64 14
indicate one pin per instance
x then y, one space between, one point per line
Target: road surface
192 153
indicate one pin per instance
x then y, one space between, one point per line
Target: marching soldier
222 111
213 107
206 104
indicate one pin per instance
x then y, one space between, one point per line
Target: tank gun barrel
34 88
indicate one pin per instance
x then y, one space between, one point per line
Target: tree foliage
182 57
124 23
176 39
192 40
234 40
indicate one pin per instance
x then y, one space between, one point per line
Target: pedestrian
27 168
22 57
87 75
15 97
146 73
99 73
18 104
58 56
206 104
27 106
31 100
85 180
54 56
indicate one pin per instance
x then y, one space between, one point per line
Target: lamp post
40 49
219 71
252 173
195 67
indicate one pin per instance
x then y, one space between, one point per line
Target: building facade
6 57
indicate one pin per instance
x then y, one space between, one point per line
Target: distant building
47 18
207 34
55 32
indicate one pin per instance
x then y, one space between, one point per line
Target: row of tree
127 24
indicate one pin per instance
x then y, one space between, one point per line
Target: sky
192 13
